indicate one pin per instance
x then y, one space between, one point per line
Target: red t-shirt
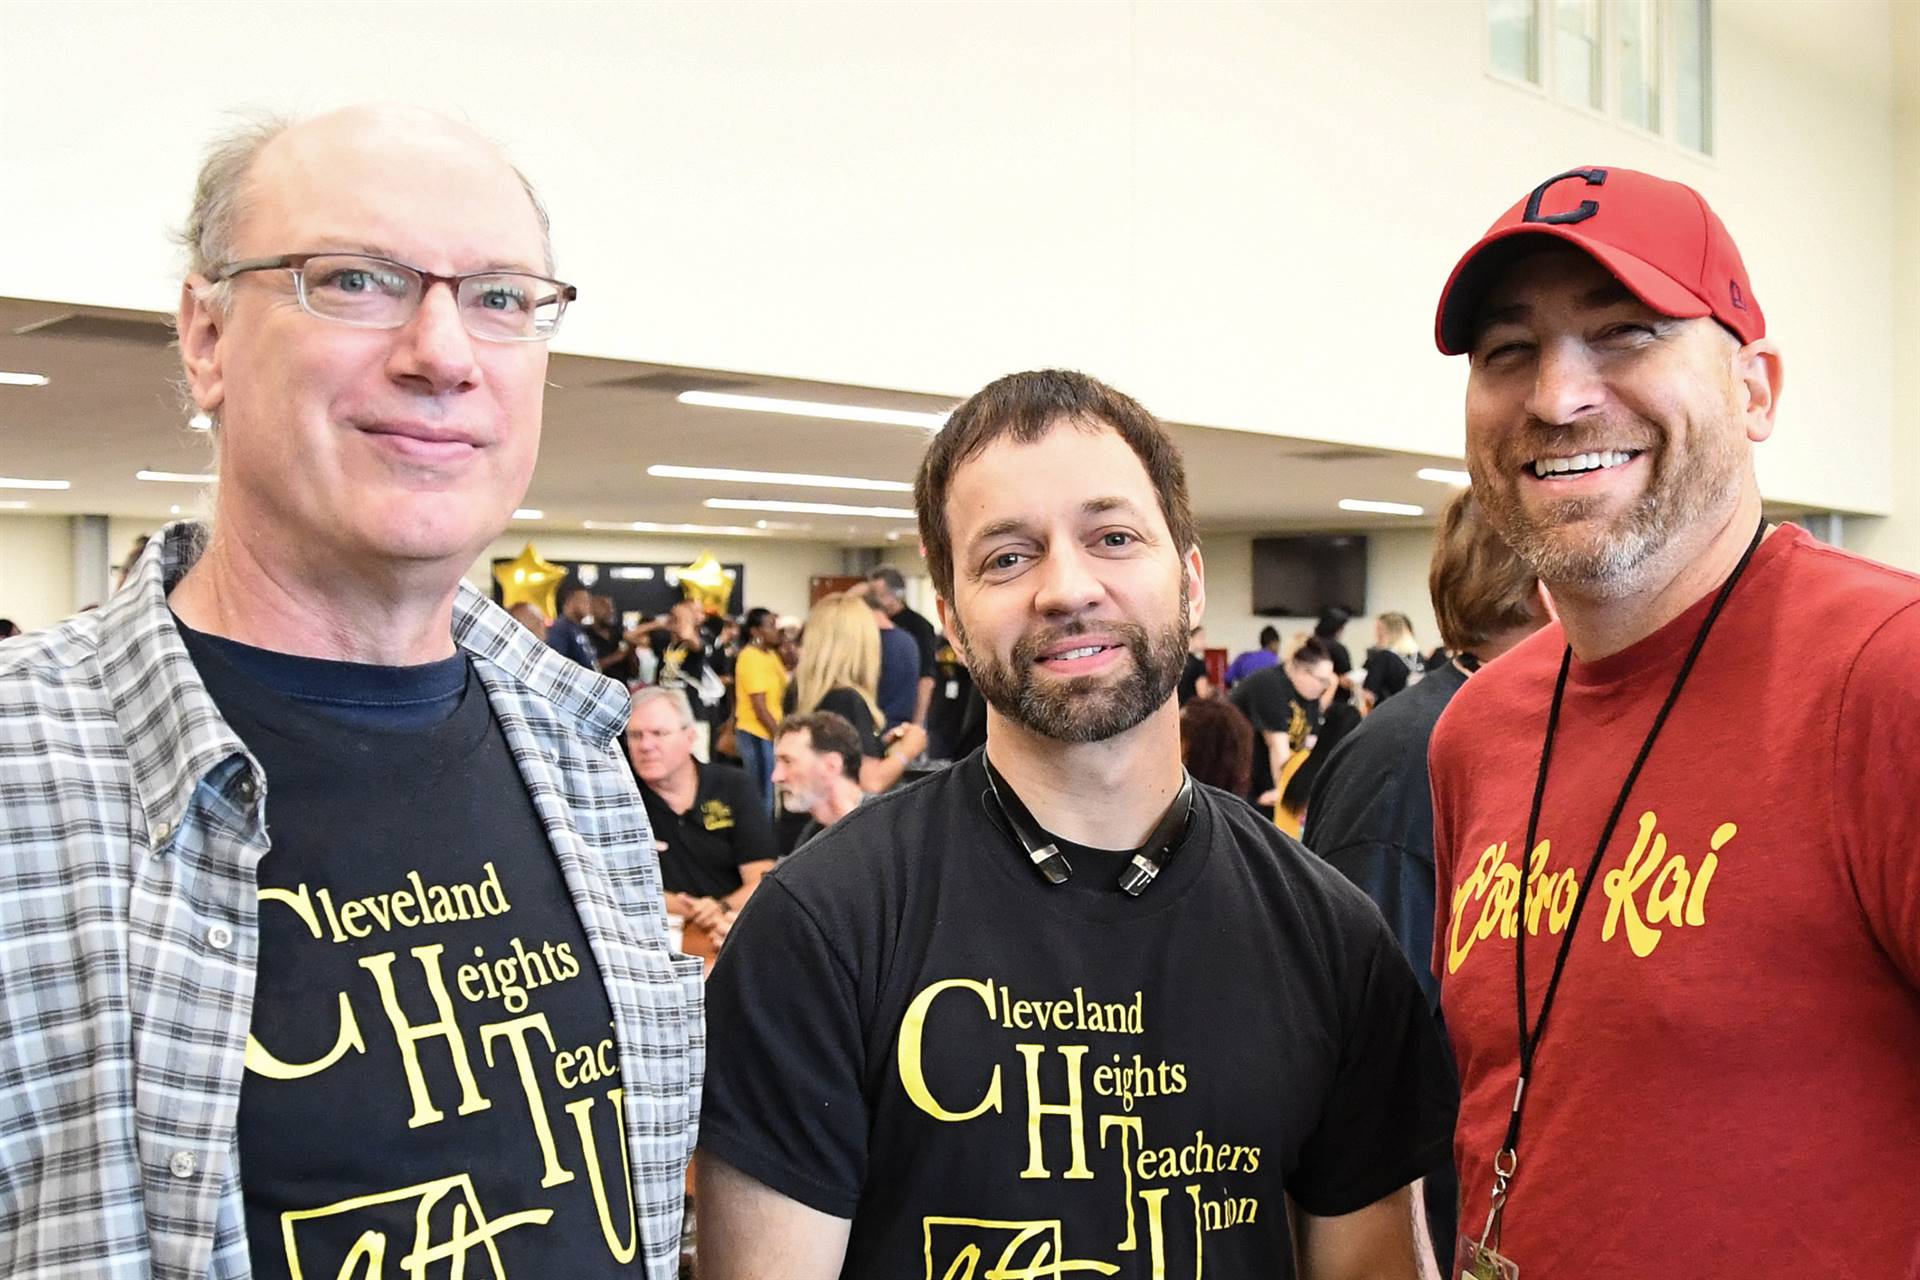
1730 1081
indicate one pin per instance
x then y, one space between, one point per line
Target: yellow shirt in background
757 670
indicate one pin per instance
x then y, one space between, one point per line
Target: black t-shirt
974 1060
430 1035
701 850
1389 672
1342 660
1270 701
924 635
848 704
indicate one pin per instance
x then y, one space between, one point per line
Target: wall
37 552
1239 212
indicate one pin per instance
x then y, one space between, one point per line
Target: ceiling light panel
174 477
1381 508
15 482
22 379
815 409
1441 475
733 475
809 508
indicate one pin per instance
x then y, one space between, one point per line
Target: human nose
1566 384
434 346
1068 582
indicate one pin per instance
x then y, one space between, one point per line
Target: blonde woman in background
1395 661
840 672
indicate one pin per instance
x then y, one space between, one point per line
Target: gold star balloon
707 583
527 579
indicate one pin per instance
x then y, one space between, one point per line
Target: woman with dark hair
1333 620
1216 742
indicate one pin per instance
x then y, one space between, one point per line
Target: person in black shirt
1194 682
1333 620
714 838
1285 705
1371 812
1057 1008
567 633
886 588
817 766
839 672
1395 660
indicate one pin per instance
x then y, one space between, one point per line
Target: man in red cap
1678 920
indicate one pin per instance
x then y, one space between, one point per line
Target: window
1647 63
1514 38
1576 52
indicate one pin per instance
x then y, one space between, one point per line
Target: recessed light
778 524
734 475
809 508
815 409
23 379
529 513
174 477
1381 508
200 422
1441 475
174 510
14 482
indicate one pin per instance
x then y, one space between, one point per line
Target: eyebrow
342 244
1609 294
1016 524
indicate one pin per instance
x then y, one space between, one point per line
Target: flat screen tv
1299 576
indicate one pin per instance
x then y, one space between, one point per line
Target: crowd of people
347 917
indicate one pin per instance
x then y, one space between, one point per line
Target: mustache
1539 438
1029 646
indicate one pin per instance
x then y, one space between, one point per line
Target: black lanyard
1508 1159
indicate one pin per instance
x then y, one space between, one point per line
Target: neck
680 785
396 619
1105 795
841 799
1600 624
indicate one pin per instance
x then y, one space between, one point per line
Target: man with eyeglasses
333 925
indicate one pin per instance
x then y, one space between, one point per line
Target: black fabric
1388 673
899 690
1336 722
702 849
1244 1030
924 635
357 693
1370 816
957 719
848 704
1269 700
410 886
1190 677
1342 660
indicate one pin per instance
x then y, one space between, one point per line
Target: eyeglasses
371 292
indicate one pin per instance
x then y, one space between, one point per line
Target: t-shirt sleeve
783 1102
1389 1117
753 675
1876 790
853 708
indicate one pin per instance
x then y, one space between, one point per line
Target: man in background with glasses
333 923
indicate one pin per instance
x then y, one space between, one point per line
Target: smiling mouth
1580 464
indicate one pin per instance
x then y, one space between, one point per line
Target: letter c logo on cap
1592 177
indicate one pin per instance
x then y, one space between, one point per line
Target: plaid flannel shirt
132 821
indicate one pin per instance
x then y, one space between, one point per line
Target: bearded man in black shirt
1057 1008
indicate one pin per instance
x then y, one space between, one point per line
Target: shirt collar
175 735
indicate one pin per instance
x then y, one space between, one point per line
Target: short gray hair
672 697
221 191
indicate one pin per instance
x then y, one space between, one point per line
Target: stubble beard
1089 708
1618 558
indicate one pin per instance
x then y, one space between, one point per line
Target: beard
1569 542
1086 708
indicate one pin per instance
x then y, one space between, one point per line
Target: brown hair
1216 741
1480 588
1026 406
826 732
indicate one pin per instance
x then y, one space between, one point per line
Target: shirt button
219 937
159 835
247 790
183 1165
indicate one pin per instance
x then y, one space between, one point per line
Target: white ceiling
110 409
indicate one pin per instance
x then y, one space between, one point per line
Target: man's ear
199 326
1757 370
1196 571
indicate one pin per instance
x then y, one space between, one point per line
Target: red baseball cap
1658 238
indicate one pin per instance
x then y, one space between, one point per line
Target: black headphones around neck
1052 864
